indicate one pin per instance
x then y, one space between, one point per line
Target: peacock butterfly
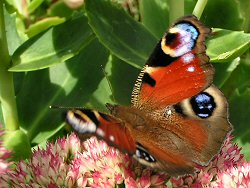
177 118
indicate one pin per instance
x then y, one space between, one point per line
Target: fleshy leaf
13 39
43 24
65 84
224 71
119 32
223 14
155 16
225 45
17 142
239 117
53 46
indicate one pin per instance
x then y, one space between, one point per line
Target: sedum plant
52 53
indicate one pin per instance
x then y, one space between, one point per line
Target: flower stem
7 94
176 8
199 7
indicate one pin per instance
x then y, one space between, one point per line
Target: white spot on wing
100 132
188 57
191 69
112 138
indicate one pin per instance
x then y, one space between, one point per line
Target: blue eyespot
203 105
190 29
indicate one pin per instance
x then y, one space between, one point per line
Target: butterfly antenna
110 86
66 107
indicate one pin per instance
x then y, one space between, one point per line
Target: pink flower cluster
211 175
71 163
4 164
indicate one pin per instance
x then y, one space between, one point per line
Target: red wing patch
178 67
90 122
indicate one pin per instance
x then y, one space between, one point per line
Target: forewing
91 122
178 68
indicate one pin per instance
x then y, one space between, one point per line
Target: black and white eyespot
180 39
143 156
204 105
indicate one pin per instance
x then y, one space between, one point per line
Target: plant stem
7 94
176 8
199 7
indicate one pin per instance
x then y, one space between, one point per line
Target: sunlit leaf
119 32
155 16
66 84
225 45
43 24
54 46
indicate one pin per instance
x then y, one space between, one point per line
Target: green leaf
43 24
18 5
119 32
223 71
1 118
223 14
239 117
13 39
121 88
225 45
18 143
239 79
154 15
54 46
245 11
60 9
66 84
245 147
34 5
237 90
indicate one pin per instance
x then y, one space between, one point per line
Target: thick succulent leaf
119 32
65 84
18 5
223 14
18 143
43 24
223 71
236 88
244 7
225 45
239 117
34 5
154 16
13 39
122 88
53 46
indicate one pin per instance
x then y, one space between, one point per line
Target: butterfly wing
177 138
178 68
180 121
195 130
177 120
91 122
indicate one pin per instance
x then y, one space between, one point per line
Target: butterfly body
177 119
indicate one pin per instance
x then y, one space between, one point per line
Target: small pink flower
234 177
4 164
71 163
228 157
